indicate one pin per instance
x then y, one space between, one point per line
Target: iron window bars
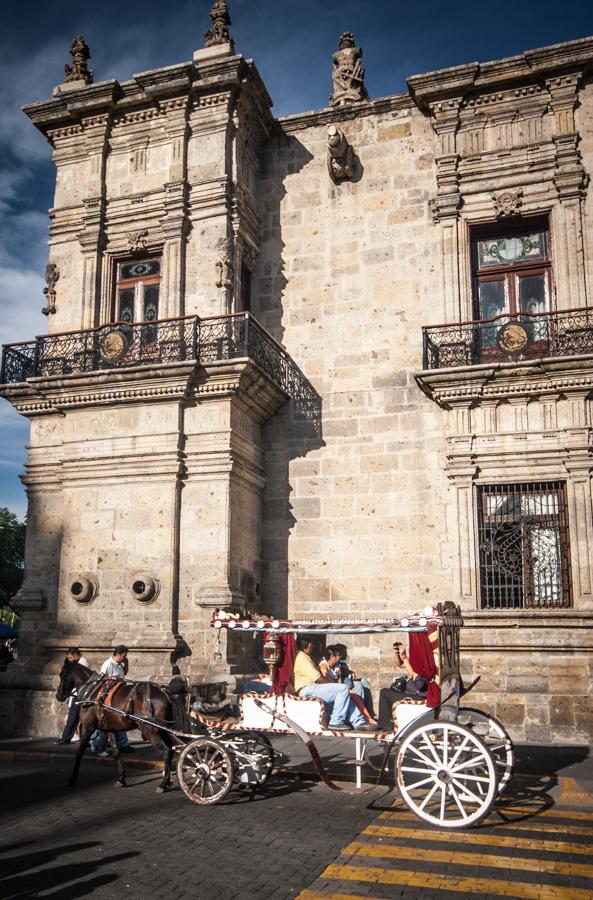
523 546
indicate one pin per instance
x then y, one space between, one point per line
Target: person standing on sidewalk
73 655
116 666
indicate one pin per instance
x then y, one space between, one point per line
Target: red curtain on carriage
421 656
283 671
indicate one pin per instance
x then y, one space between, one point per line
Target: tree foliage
12 554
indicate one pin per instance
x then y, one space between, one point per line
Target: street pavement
295 839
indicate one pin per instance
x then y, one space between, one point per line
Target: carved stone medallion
512 337
508 203
113 346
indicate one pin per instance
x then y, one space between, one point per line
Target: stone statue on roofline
219 32
79 70
347 73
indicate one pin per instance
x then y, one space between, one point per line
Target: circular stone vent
84 588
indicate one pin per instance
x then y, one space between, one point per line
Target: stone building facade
411 424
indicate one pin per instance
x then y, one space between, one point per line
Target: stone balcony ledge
154 360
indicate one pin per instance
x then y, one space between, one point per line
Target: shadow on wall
296 429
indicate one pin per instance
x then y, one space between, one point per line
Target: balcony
509 338
122 345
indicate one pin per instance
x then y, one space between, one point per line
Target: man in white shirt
117 664
114 667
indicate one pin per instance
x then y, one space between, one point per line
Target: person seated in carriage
334 665
408 685
309 682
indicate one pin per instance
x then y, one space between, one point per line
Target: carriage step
356 762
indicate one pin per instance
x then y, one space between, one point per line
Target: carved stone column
581 529
464 578
445 205
92 241
570 180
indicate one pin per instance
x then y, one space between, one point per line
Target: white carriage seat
308 712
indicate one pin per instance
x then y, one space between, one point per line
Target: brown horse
141 698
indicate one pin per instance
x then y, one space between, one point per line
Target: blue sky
291 43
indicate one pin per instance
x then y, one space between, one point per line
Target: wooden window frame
507 272
137 284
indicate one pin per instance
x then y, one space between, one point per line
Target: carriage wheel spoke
426 759
461 808
475 760
459 751
430 795
430 746
466 791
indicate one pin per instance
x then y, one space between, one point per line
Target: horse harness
101 693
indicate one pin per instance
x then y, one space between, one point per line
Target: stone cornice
239 378
467 385
150 91
531 66
327 115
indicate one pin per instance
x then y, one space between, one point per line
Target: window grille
523 546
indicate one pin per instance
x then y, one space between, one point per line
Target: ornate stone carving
508 203
79 70
224 264
347 73
219 32
340 155
137 240
52 274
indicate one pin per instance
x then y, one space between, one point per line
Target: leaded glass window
137 293
512 272
523 546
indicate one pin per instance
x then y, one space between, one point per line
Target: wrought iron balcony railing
508 338
123 345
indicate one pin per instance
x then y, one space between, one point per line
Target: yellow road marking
493 840
313 895
452 857
452 883
572 792
552 813
531 826
529 808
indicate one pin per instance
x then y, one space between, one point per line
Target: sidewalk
567 768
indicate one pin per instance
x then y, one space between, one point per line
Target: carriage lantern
272 651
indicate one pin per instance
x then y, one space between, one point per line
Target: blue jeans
344 710
100 741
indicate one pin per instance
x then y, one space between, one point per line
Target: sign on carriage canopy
447 613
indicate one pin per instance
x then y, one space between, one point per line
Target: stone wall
190 474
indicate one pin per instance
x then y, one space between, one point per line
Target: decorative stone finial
79 70
219 32
347 73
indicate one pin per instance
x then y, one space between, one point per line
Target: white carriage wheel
496 739
446 775
205 772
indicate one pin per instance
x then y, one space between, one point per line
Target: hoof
161 789
71 783
120 784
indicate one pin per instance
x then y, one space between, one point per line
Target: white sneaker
104 753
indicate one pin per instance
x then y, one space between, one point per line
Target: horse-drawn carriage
448 761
